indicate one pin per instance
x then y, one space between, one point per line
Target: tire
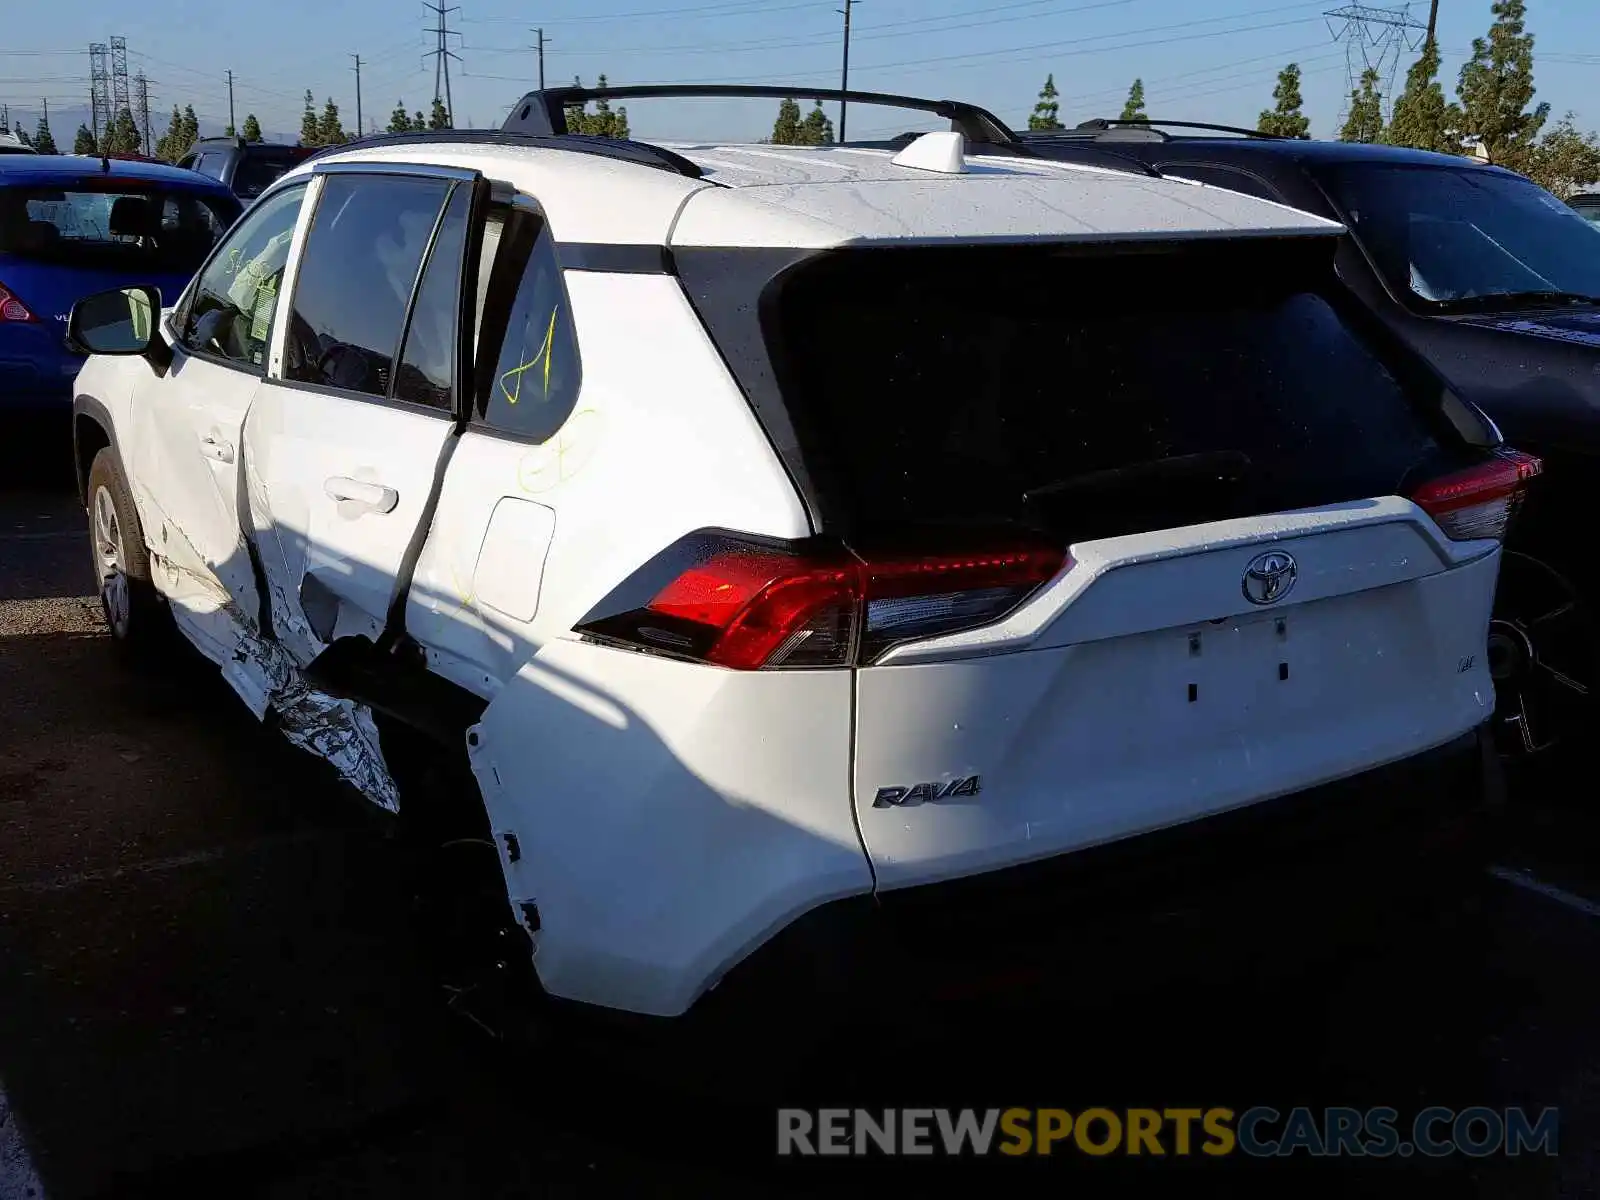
140 625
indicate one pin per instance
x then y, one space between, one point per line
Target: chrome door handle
374 497
214 447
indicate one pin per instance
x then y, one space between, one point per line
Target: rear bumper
1269 881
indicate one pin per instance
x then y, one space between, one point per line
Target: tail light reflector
749 607
1480 501
12 309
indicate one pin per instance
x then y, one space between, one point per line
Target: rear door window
361 262
1089 395
113 226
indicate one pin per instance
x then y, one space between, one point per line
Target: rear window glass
138 230
259 168
1088 395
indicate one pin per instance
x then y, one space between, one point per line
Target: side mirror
121 322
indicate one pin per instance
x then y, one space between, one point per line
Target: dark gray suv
246 167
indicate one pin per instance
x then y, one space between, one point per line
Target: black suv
246 167
1588 206
1494 281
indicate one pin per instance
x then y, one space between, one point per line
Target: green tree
786 129
22 136
252 128
1133 110
1423 119
167 145
1566 160
123 136
816 129
191 129
1496 87
1365 122
310 128
1285 118
398 121
330 132
419 122
229 131
440 117
1047 112
83 143
43 141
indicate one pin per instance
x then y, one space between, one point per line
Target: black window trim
411 306
455 176
1175 168
523 202
180 314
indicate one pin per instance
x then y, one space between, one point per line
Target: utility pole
357 57
233 128
1433 21
844 79
442 54
141 96
542 43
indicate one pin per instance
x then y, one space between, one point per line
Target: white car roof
782 196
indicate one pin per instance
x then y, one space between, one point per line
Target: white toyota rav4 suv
772 528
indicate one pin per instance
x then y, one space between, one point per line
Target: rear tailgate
1144 688
1253 607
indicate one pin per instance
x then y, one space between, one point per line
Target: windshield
1446 238
112 226
259 168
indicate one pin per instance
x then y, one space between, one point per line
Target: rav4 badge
922 793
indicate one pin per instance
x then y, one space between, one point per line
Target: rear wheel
135 615
1544 657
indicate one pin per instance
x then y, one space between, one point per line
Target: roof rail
642 153
1113 125
544 113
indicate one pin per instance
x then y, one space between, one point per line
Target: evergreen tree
1285 118
816 129
398 121
84 142
1566 160
1423 119
252 128
123 136
191 129
1133 110
419 122
170 146
229 131
786 129
330 132
606 123
1496 87
1047 112
440 117
22 136
310 128
1365 122
43 141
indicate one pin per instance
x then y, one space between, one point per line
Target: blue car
71 226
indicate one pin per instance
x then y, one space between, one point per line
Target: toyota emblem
1270 577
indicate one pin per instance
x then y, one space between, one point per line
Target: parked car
789 537
12 143
246 167
1497 284
73 226
1588 206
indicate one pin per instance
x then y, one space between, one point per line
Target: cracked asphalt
207 981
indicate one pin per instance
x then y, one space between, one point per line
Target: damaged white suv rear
790 535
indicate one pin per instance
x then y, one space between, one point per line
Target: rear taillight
1480 501
12 309
747 606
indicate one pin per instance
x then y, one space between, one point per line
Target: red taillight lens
749 607
12 309
1480 501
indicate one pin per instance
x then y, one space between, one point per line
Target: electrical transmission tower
99 89
121 102
1375 39
442 54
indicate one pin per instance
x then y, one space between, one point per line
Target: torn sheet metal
338 730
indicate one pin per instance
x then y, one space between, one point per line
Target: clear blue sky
1212 61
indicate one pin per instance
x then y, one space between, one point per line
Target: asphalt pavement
209 982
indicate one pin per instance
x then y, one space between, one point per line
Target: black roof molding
640 153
